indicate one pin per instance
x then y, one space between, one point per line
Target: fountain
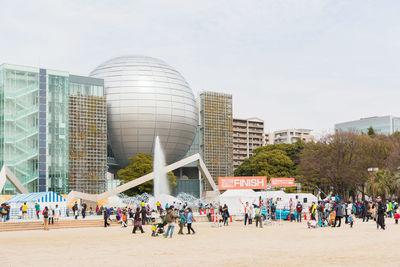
160 183
161 187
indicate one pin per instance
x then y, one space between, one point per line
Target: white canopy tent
305 198
234 199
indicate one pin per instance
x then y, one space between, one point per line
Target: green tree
291 150
141 165
371 131
386 183
270 163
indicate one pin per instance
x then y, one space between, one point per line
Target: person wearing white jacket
251 213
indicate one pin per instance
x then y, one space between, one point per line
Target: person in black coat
75 210
144 213
339 213
106 218
84 207
381 210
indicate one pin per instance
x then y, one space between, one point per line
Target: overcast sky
299 63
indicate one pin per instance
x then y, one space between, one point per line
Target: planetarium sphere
147 98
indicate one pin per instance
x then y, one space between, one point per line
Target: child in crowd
153 227
397 216
351 220
217 218
124 221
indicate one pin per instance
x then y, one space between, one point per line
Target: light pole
373 170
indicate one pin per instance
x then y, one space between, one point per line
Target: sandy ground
288 244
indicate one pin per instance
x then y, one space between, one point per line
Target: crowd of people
163 219
331 213
168 217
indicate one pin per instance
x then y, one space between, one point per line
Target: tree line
336 164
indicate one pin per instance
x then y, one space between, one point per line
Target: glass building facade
382 125
35 129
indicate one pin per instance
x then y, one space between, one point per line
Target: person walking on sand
158 207
105 214
137 222
190 219
321 212
170 219
251 214
45 218
225 214
57 212
144 213
24 211
84 208
51 215
75 210
349 210
339 213
37 209
313 211
182 221
366 214
246 212
299 209
381 209
258 216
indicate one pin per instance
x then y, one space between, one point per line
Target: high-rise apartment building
88 135
34 127
248 134
289 136
381 125
216 133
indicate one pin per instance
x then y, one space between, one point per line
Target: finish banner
247 182
282 182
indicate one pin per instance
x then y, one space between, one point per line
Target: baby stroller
160 226
332 217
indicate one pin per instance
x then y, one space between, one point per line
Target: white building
289 136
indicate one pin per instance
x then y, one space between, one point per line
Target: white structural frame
7 174
148 177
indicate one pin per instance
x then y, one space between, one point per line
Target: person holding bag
45 218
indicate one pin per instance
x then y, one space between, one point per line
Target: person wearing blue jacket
189 220
182 222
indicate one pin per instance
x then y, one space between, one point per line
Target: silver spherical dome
147 98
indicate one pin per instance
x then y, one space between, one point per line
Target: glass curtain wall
19 122
57 131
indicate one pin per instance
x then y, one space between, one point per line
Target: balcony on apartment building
256 129
239 129
239 147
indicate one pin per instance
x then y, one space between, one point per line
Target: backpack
45 214
320 208
299 208
3 210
